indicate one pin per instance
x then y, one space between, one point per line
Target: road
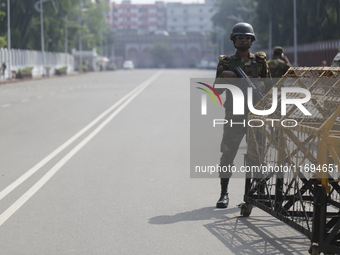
99 164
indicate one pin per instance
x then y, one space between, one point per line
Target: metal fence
313 54
29 58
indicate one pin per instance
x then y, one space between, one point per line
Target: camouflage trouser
232 137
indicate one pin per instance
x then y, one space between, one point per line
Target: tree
25 24
317 20
229 13
162 54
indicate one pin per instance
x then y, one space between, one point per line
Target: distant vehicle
128 64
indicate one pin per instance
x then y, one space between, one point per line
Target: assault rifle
256 92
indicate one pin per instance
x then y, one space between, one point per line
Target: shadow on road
244 235
206 213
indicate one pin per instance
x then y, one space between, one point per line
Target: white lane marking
35 168
5 105
25 197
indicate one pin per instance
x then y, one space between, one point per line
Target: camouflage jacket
255 66
277 67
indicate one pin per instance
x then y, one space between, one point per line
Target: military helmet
242 28
278 50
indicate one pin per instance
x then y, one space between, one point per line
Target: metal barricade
294 167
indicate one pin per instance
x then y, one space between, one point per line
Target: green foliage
58 14
26 70
3 41
317 20
84 68
61 70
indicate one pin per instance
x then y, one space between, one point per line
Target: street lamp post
9 38
270 27
42 35
66 34
80 38
222 41
295 36
66 42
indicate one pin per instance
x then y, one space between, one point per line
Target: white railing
30 58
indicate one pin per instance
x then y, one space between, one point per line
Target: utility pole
80 37
42 36
295 36
66 41
66 35
270 42
9 38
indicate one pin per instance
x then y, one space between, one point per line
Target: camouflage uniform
277 67
255 67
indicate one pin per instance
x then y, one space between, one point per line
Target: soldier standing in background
279 64
3 69
255 66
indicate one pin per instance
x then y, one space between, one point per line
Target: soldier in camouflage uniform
255 66
279 64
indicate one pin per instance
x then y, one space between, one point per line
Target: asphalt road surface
99 164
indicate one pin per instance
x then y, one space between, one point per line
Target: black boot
224 199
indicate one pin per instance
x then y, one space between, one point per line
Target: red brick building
140 17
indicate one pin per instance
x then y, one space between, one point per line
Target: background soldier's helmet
242 29
278 51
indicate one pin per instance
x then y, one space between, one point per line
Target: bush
84 68
24 73
26 70
61 71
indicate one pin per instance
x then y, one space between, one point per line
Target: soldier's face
243 41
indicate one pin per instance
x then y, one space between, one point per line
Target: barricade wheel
314 250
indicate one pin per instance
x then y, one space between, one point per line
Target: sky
167 1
